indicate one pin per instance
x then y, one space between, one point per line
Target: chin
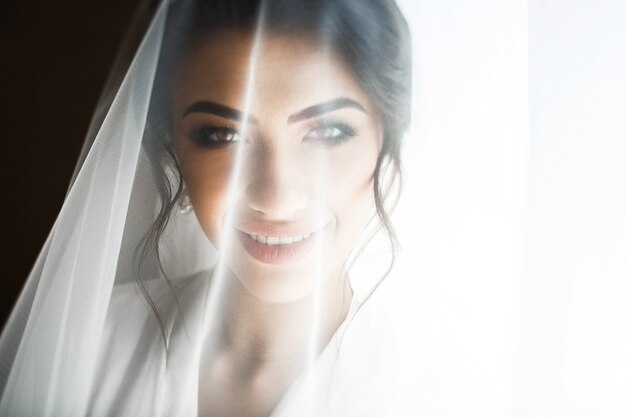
280 283
284 274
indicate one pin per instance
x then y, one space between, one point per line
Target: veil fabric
506 295
57 325
83 339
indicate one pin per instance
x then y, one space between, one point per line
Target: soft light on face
311 139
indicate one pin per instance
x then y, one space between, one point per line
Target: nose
277 183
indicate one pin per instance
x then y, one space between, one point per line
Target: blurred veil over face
339 208
201 264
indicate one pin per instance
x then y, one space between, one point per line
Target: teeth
274 240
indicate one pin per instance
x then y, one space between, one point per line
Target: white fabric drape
58 321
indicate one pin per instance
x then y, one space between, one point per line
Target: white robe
136 376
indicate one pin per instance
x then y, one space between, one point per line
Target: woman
274 123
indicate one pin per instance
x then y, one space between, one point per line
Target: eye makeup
326 132
214 136
330 132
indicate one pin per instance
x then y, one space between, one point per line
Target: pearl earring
184 204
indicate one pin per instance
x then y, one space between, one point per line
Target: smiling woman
207 257
300 132
239 170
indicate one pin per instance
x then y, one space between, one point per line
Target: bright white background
514 216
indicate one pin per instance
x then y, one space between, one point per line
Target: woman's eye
333 133
215 136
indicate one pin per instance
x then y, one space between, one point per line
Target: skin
292 172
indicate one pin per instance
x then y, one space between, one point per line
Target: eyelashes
333 133
214 136
328 133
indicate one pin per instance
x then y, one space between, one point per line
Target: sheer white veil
506 295
83 318
51 339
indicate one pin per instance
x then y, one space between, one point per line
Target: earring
184 204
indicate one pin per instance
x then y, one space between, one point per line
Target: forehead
275 73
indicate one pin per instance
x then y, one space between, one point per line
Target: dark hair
370 35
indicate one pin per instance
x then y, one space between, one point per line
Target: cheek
352 194
206 175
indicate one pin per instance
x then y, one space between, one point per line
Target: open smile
277 240
278 245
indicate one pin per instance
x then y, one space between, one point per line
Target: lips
278 244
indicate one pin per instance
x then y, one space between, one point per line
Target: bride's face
277 145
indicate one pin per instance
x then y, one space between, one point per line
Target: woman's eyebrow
325 107
219 110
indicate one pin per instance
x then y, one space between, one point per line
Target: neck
259 333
